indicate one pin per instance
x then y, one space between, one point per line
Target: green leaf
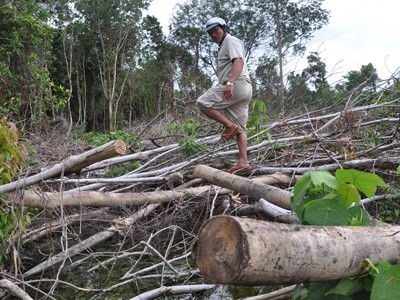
299 192
359 216
317 290
387 284
383 266
363 181
346 287
323 177
398 170
348 194
326 212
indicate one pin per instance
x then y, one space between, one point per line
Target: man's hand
228 92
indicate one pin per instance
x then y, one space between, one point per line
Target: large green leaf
387 284
324 177
363 181
299 192
347 287
348 194
325 212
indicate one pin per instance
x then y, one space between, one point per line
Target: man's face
217 34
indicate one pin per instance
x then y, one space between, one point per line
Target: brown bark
244 186
112 149
240 251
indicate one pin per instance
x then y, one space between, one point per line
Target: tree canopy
104 64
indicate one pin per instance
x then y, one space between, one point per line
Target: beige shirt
230 48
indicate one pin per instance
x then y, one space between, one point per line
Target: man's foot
240 168
229 133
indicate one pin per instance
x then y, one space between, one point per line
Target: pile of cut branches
136 230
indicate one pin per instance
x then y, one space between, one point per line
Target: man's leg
216 115
242 145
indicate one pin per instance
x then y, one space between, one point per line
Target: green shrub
97 138
13 219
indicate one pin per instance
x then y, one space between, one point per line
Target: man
228 101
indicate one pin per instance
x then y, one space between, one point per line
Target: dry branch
179 289
90 242
384 163
281 294
14 289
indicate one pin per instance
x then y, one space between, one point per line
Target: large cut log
244 186
36 199
239 251
71 165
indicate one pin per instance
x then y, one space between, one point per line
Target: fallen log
244 186
71 165
239 251
36 199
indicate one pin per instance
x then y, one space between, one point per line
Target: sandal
228 134
240 169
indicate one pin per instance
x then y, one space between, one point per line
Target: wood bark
244 186
239 251
71 165
111 149
99 199
14 289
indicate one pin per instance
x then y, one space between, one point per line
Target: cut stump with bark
248 252
109 150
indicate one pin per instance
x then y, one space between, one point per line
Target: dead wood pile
138 227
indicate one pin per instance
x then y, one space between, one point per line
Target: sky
359 32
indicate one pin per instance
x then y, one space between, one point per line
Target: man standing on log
228 101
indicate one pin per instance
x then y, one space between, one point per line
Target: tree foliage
273 32
27 90
104 64
13 219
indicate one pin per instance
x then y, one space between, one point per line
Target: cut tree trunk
249 252
244 186
71 165
112 149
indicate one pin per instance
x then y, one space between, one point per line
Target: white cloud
162 10
360 32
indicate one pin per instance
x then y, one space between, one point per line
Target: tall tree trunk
68 56
281 88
